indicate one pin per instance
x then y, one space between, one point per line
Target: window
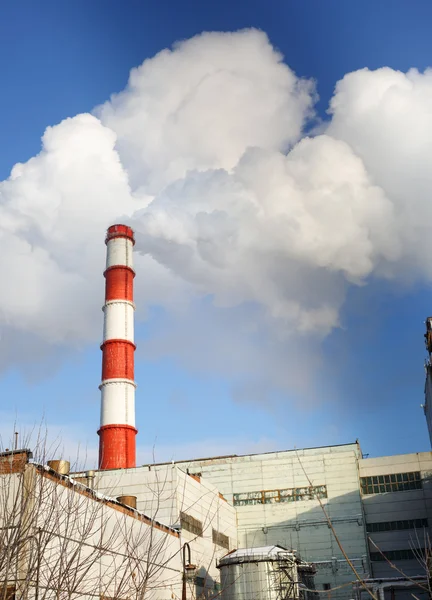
220 539
274 496
7 592
398 482
326 586
191 524
397 525
408 554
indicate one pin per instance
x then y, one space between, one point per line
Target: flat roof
176 462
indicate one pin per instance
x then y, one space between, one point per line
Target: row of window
397 525
196 527
7 592
408 554
397 482
191 524
220 539
378 484
286 495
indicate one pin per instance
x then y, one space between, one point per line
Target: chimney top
119 231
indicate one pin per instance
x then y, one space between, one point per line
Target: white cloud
272 221
385 117
247 235
202 104
54 209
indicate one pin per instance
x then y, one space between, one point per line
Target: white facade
398 520
275 499
190 504
295 520
262 487
59 539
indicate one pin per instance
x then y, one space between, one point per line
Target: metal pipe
62 467
128 500
185 548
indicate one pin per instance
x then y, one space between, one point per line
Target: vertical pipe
117 429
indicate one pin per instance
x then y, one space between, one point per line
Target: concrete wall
272 506
163 493
300 524
71 541
399 506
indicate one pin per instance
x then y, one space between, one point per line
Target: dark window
274 496
397 525
398 482
7 592
408 554
326 586
190 524
220 539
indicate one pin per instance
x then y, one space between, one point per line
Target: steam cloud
248 232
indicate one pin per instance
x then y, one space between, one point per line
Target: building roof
227 456
259 554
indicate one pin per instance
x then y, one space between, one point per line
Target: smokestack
117 431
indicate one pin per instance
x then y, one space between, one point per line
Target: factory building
62 539
190 504
278 496
397 501
380 508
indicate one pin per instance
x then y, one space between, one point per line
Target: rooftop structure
267 573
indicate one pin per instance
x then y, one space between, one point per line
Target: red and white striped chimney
117 431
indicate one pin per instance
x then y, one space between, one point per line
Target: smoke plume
249 232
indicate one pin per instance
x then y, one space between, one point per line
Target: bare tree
60 539
421 549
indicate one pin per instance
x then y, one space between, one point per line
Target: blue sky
61 59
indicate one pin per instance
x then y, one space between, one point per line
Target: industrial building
288 521
193 506
62 539
380 508
427 406
337 509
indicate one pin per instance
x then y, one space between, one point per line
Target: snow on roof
261 553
